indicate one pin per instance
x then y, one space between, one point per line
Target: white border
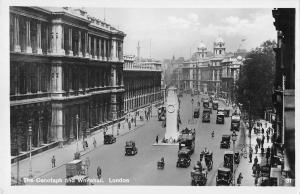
4 103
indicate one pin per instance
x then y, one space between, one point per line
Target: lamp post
77 121
234 138
30 164
192 106
250 122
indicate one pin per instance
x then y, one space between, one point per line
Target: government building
66 76
213 74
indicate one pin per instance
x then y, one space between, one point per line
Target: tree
255 85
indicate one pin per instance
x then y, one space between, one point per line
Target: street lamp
30 164
192 105
250 123
234 138
77 121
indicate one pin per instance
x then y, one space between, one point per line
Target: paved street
141 168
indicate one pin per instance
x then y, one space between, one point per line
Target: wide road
141 169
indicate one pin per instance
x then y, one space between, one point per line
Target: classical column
40 129
213 75
17 47
57 38
104 50
39 37
57 122
100 57
121 51
95 48
79 44
113 75
17 78
56 80
86 45
28 41
70 42
39 76
90 47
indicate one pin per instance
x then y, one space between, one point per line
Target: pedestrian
268 137
132 119
255 160
156 139
262 151
239 179
135 121
94 143
256 180
119 125
250 157
257 141
262 130
268 153
53 161
256 148
129 125
99 172
263 141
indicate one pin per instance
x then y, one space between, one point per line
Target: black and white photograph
104 94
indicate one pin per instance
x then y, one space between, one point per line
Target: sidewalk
41 163
245 167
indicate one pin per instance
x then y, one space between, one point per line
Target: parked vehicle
187 140
130 148
109 139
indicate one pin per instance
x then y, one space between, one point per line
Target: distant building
203 73
142 82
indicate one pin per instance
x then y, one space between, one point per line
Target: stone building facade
142 82
66 75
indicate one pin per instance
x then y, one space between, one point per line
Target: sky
178 31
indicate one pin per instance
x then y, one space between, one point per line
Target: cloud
193 17
192 21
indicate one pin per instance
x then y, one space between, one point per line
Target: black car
130 148
224 177
225 142
184 159
109 139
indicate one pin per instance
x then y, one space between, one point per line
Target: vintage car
265 171
209 160
225 142
197 112
184 159
224 177
226 112
199 176
220 110
109 139
228 158
130 148
215 105
205 103
160 164
220 118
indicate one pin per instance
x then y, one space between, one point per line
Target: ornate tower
219 47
